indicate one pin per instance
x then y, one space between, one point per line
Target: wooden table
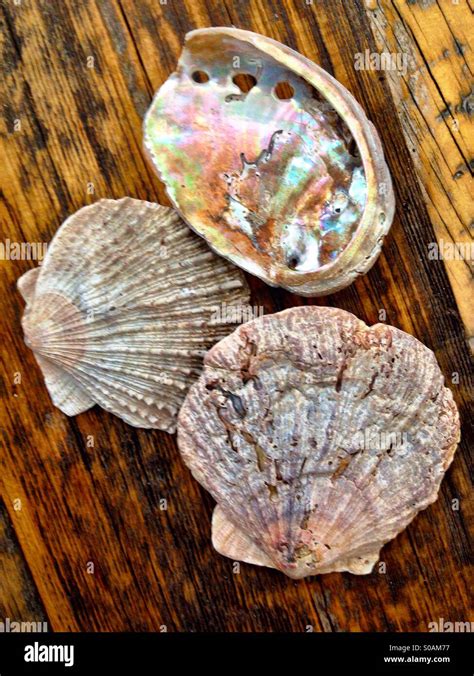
85 543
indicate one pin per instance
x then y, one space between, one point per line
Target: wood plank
434 102
101 504
19 598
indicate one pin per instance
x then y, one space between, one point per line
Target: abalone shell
271 160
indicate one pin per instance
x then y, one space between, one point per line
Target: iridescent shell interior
256 159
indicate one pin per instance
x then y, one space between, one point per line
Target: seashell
319 437
293 189
123 309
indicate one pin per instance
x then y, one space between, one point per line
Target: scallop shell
123 309
295 190
319 437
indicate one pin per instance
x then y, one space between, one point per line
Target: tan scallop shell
294 190
319 437
124 307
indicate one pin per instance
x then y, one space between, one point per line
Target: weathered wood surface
77 78
434 99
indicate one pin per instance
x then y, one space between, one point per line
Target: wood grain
19 598
434 99
100 551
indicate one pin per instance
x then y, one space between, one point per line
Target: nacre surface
271 160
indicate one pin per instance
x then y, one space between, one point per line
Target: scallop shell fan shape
319 437
123 309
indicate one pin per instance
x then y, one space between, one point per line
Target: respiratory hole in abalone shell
200 76
244 81
284 91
